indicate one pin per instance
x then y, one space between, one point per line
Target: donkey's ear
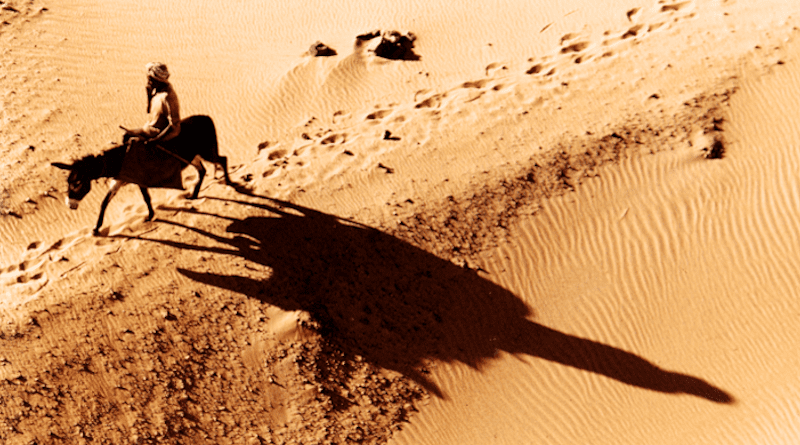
62 166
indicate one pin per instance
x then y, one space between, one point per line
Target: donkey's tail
212 136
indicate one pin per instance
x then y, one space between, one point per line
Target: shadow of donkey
399 306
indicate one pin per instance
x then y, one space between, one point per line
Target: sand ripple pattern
687 262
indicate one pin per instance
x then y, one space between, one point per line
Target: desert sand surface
546 222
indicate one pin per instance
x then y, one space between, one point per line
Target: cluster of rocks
392 45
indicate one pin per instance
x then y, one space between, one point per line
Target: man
161 97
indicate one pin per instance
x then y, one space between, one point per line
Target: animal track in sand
475 84
567 37
276 154
334 139
28 270
492 68
339 117
632 32
536 69
575 47
675 6
578 48
434 101
581 59
380 114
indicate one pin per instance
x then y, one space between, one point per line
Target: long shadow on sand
398 306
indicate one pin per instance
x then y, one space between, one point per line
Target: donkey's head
79 181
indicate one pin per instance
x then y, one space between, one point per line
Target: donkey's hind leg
201 173
115 186
223 161
150 212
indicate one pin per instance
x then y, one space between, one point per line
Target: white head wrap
158 71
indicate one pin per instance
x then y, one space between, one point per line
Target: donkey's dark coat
198 139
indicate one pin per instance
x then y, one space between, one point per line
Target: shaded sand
565 223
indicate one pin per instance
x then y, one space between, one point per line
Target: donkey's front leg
115 186
146 196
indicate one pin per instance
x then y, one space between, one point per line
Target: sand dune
558 222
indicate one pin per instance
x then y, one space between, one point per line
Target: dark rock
366 37
393 44
320 49
717 149
397 46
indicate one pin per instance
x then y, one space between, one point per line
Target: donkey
197 139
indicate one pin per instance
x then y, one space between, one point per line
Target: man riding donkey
152 156
150 160
166 121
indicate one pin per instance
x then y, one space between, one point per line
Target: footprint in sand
675 11
27 270
575 47
536 69
475 84
334 139
493 68
675 7
339 116
269 172
579 50
632 32
30 275
23 279
276 154
434 101
480 85
567 37
378 115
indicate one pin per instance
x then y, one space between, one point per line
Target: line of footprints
572 50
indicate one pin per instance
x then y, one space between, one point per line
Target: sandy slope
518 238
